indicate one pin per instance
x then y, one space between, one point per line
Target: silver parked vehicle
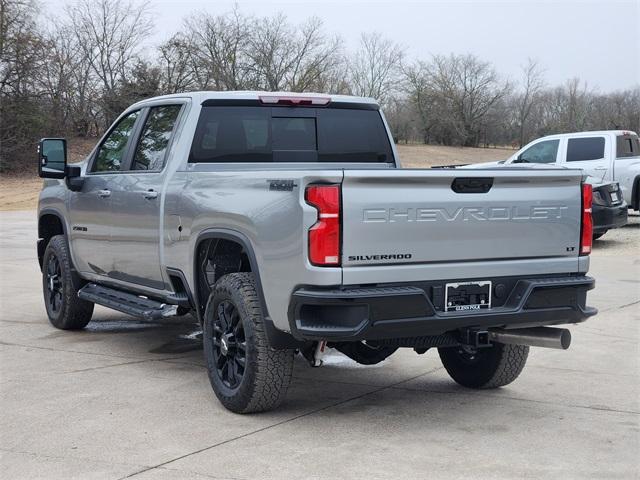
283 222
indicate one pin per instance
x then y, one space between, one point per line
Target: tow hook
475 338
314 353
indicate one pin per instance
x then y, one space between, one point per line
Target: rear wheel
64 309
488 367
246 374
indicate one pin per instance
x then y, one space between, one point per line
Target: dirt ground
20 192
417 156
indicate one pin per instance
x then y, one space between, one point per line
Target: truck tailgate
442 216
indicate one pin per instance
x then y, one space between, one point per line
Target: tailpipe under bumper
547 337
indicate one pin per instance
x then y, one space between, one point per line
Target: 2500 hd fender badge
390 256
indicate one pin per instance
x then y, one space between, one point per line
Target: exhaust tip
565 339
547 337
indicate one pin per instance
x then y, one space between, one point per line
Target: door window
541 152
154 139
589 148
112 150
627 146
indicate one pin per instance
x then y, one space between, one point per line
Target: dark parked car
609 208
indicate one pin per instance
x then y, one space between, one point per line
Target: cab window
541 152
154 139
627 146
587 148
112 150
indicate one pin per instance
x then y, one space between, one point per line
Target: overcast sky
598 41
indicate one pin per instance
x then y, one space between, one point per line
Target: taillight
586 237
324 235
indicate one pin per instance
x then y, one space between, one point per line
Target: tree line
72 75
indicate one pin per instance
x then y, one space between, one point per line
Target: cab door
136 200
589 153
90 209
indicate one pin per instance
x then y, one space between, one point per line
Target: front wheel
489 367
64 309
246 374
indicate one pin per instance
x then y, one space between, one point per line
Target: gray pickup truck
285 224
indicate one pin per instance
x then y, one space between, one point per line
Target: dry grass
420 156
20 192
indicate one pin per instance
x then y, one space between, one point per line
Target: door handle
600 168
150 194
104 193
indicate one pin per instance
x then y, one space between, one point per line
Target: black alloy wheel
54 291
229 344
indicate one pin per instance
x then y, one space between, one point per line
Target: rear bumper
606 218
401 311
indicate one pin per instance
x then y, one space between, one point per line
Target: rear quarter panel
274 223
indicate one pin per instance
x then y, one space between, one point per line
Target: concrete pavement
128 399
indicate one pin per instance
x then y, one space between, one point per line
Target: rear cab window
627 145
585 148
290 134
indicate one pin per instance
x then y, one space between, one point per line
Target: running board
126 302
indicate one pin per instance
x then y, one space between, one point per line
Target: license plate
464 296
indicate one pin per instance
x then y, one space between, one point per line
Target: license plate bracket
467 296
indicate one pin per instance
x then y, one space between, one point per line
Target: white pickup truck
606 156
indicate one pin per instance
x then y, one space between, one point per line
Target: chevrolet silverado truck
285 224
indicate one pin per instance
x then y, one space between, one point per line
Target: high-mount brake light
324 235
586 236
295 101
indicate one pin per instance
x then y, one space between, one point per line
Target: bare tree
315 57
176 63
21 54
468 88
297 58
110 33
532 85
375 67
421 95
219 47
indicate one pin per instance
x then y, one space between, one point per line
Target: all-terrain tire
65 310
489 367
257 377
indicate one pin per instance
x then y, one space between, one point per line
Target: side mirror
52 158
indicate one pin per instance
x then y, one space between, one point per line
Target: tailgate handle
472 184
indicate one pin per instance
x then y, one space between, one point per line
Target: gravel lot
126 399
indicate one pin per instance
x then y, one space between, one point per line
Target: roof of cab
201 96
590 133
